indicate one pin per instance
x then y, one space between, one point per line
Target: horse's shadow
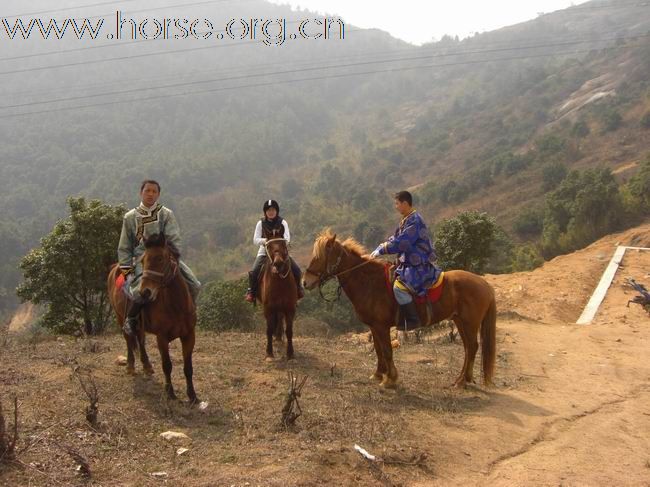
474 400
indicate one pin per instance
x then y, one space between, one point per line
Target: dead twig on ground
88 385
7 442
83 467
291 410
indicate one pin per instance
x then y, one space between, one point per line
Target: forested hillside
495 122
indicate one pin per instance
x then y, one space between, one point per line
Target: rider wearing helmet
271 226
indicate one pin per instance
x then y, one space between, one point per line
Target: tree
639 186
529 223
68 271
221 307
552 174
584 207
465 241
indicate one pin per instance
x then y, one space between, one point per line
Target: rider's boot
411 319
132 318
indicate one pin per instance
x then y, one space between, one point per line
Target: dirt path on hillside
571 404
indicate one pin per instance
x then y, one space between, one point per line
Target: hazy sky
419 21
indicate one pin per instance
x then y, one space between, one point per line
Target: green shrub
222 307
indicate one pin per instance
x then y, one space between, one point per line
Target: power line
598 7
101 4
293 71
111 45
127 43
316 78
352 54
150 9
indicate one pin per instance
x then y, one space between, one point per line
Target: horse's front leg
130 356
188 347
390 376
163 347
289 332
144 357
271 323
381 363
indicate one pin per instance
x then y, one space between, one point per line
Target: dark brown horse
466 298
278 295
170 313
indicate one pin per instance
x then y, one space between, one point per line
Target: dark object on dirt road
644 296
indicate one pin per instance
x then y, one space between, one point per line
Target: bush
580 129
465 241
222 307
611 120
552 175
645 120
529 223
526 258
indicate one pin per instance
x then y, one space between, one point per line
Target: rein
165 277
288 261
332 274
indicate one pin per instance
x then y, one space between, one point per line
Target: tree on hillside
68 271
586 206
465 241
639 186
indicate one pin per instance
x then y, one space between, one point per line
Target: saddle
424 304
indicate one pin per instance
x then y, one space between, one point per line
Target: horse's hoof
269 359
377 377
148 370
459 384
130 370
388 384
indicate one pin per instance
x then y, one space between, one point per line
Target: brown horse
170 314
466 298
278 295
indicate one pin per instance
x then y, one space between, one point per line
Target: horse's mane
350 244
156 240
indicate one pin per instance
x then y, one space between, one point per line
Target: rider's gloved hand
374 254
126 271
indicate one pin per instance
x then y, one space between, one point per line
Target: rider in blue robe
416 271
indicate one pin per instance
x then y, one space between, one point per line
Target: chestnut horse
466 298
170 314
278 295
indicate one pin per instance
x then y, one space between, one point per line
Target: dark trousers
254 274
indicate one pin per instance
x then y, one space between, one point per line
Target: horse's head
278 252
322 265
159 265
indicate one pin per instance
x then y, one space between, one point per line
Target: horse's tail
488 341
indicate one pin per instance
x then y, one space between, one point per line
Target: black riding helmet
271 204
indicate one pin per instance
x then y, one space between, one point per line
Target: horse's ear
331 240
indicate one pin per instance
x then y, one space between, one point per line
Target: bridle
330 273
166 276
287 261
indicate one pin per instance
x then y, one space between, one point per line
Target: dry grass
238 438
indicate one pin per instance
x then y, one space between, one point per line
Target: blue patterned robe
411 241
